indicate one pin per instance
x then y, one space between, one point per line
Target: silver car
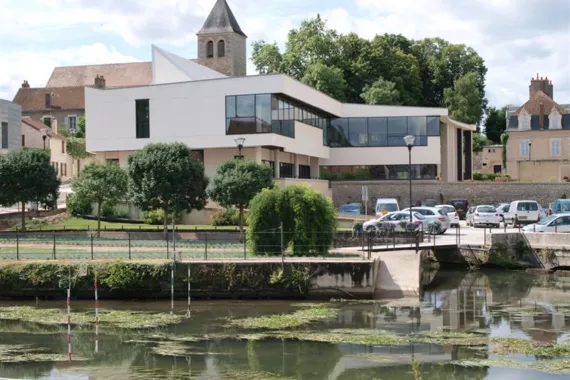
434 216
396 219
451 214
483 215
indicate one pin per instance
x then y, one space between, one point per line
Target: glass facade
379 172
381 131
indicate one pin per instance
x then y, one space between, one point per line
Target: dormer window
555 119
524 121
221 48
210 49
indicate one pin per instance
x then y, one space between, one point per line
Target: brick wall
476 192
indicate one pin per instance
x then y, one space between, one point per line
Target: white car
520 212
386 205
483 215
451 214
396 219
553 223
434 215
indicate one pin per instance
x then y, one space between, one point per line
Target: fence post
54 256
129 234
167 240
91 246
206 245
17 246
282 250
244 247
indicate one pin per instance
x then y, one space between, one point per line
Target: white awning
458 124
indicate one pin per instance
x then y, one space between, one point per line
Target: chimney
25 84
541 117
99 81
541 84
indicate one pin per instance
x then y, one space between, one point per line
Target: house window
4 135
47 120
221 48
524 149
23 140
210 49
72 123
113 161
304 171
555 147
48 101
61 169
55 166
142 118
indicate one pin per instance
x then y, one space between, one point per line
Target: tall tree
381 92
328 80
236 183
101 184
464 100
266 57
495 123
164 176
27 176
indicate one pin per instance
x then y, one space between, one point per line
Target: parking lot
470 235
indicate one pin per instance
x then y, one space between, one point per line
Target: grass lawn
84 224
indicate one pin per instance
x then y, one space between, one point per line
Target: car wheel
370 229
442 232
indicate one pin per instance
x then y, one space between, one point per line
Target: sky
516 38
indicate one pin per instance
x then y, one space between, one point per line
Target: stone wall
475 192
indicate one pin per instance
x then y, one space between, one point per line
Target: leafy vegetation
226 217
286 321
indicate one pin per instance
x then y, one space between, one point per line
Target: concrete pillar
295 166
315 171
276 160
258 154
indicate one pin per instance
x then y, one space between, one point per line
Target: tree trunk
165 223
98 219
240 221
23 216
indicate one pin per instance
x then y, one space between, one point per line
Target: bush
107 210
156 217
477 176
307 216
77 206
226 217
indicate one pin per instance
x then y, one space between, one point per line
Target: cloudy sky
517 38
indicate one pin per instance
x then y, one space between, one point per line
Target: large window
142 118
380 172
524 148
210 49
555 147
286 170
304 171
4 132
221 48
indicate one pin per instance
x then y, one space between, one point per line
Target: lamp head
239 141
409 140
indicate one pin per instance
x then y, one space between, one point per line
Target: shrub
226 217
108 210
156 217
477 176
307 217
77 206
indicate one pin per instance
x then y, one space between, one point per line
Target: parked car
543 212
483 215
501 209
396 219
386 205
461 205
451 214
434 215
561 206
351 209
429 203
522 212
553 223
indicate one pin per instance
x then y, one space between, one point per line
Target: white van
386 205
522 212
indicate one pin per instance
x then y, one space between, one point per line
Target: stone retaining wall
476 192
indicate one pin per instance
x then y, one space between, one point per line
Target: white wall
33 137
429 154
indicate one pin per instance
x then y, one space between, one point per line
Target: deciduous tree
495 124
381 92
236 183
27 176
164 176
101 184
464 100
326 79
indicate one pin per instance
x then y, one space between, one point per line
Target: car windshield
390 207
565 206
547 220
418 216
527 206
459 204
349 208
447 209
486 209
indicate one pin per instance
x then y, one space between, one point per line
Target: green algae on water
286 321
23 353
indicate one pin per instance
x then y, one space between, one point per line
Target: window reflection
379 172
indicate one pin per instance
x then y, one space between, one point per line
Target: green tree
266 57
81 127
306 215
27 176
479 141
75 147
328 80
495 123
236 183
101 184
464 100
381 92
164 176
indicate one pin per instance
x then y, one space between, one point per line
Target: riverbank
223 280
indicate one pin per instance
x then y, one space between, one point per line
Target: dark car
429 203
461 206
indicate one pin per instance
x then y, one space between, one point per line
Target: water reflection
494 304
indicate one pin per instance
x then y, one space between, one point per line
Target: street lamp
529 146
44 136
239 141
410 144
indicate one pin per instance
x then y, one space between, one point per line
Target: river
454 329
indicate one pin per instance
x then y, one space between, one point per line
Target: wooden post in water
95 285
189 288
68 315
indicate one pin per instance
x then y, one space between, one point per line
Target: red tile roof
36 124
116 75
63 98
532 106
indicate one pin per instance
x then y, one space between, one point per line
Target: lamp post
529 150
44 136
239 141
410 144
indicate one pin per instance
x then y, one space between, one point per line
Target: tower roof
221 20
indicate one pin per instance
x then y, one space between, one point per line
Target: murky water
491 305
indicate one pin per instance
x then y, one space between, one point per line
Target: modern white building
300 132
10 127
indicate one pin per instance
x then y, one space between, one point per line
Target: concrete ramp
397 274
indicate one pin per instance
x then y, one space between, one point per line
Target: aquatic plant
285 321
